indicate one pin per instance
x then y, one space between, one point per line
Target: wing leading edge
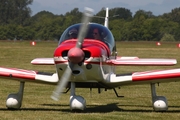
155 76
28 75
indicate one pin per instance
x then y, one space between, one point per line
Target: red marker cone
178 45
158 43
33 43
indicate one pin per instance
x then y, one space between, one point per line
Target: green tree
114 13
151 29
136 30
146 14
167 37
120 13
75 15
121 29
3 33
174 15
14 11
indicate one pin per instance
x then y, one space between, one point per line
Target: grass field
136 104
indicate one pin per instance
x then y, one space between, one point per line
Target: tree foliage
14 11
17 23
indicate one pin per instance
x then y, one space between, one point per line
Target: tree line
16 22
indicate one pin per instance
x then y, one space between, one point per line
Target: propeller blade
62 83
84 28
67 74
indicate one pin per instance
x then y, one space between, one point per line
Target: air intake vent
64 53
87 54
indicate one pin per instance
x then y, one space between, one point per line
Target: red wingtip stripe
153 75
17 73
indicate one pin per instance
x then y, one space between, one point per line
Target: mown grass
135 105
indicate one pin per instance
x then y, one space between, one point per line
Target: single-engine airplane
85 58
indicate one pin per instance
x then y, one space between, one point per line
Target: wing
43 61
28 75
155 76
120 61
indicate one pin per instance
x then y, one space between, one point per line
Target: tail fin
106 18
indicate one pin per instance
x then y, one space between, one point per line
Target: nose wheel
76 102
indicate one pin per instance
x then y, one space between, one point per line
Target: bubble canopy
94 28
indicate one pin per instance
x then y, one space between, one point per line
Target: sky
157 7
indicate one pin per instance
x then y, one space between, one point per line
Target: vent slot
64 53
87 54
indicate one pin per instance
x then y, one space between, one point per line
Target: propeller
84 28
75 55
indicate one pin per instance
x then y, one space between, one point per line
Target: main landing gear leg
159 102
14 100
76 102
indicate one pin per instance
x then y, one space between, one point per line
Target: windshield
95 32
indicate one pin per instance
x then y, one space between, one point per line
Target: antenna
106 18
106 21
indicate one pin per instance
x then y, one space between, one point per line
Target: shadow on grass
113 107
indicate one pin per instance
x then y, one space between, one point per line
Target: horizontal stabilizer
43 61
142 62
124 57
